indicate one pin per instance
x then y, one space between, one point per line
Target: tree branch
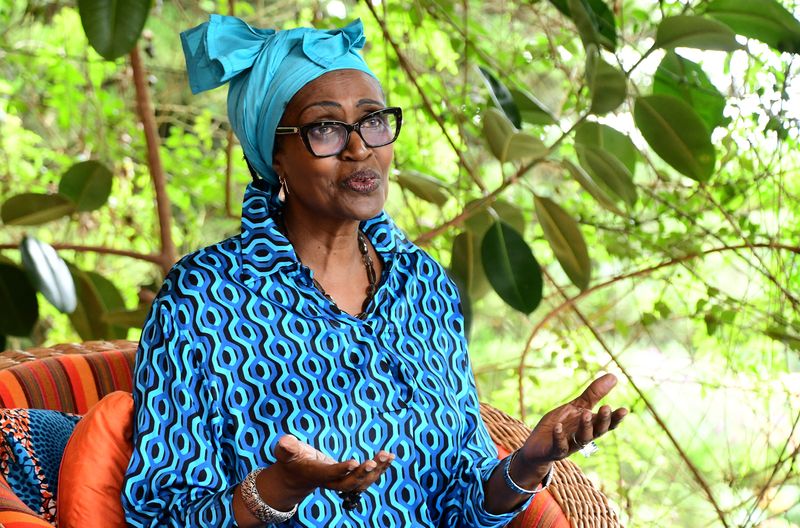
155 259
168 254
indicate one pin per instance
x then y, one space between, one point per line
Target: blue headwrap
265 68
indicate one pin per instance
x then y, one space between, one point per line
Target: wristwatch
256 505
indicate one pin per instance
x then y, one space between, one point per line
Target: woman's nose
356 149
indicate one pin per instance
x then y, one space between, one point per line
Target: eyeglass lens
376 129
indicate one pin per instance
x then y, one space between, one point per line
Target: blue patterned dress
241 348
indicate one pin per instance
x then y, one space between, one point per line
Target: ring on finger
577 443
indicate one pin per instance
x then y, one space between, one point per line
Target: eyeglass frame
349 128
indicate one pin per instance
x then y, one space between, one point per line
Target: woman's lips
363 181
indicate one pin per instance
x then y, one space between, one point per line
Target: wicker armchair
73 377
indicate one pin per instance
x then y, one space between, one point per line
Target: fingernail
383 457
369 467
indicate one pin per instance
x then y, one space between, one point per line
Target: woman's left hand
565 430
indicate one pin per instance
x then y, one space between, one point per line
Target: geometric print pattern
240 348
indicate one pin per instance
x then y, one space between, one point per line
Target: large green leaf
121 320
607 84
531 109
48 273
566 240
424 186
87 319
594 20
511 268
695 32
764 20
466 264
19 308
502 97
677 134
112 301
113 26
487 215
35 208
596 134
87 184
590 186
686 80
506 143
606 169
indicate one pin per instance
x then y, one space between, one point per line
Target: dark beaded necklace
368 265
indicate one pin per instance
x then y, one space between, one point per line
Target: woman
313 369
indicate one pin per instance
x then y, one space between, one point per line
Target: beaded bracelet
516 488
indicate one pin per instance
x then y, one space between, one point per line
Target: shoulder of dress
219 261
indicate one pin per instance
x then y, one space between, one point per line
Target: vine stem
168 254
570 301
155 259
406 65
698 476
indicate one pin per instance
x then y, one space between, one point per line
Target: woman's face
351 185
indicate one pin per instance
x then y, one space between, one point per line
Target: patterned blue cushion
32 443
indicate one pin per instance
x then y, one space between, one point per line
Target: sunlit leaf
764 20
424 186
35 208
695 32
566 240
686 80
113 26
531 109
87 184
609 139
19 308
607 84
606 169
589 185
511 268
487 215
677 134
506 143
49 274
502 97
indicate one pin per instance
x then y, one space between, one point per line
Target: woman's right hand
300 469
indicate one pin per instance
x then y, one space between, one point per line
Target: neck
323 246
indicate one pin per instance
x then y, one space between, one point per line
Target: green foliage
542 156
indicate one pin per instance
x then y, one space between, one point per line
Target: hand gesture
568 428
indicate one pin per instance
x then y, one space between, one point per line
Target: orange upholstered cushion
94 463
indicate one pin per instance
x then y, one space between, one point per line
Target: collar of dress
265 250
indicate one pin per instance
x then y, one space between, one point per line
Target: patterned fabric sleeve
175 476
478 457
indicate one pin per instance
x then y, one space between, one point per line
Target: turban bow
265 68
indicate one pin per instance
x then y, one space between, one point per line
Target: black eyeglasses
329 138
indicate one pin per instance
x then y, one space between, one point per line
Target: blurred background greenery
639 159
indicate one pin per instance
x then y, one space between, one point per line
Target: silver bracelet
256 505
516 488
